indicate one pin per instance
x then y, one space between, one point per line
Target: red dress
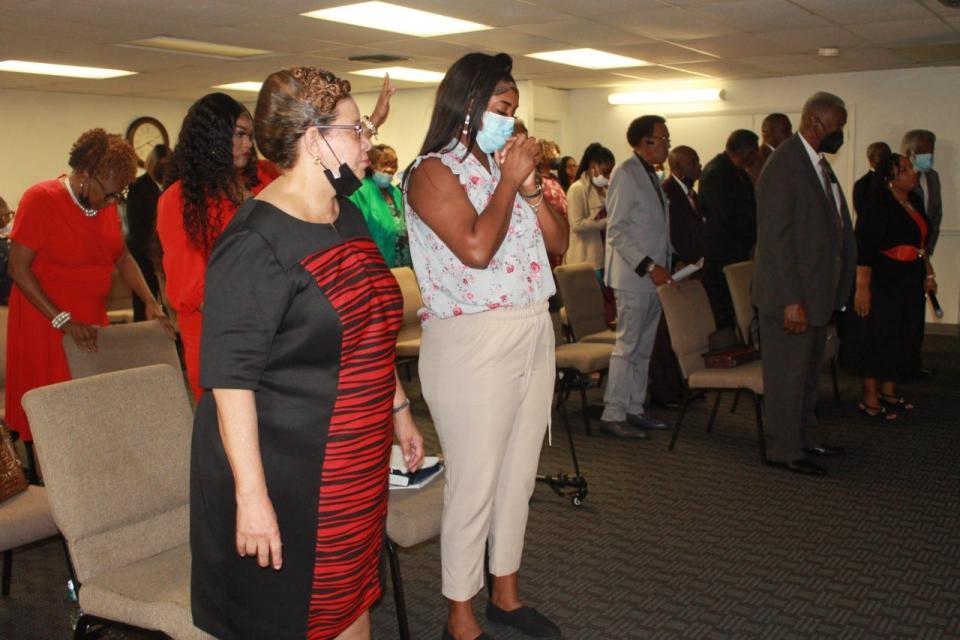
185 266
75 259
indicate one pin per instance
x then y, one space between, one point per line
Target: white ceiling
687 39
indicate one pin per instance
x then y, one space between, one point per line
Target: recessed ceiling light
589 59
66 70
402 73
195 47
666 97
392 17
828 52
240 86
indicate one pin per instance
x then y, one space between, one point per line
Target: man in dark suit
803 271
865 184
730 231
774 129
142 222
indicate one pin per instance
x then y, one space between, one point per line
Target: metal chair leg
713 412
688 396
836 385
399 601
760 435
584 405
7 569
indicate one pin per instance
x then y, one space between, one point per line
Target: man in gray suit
803 271
637 262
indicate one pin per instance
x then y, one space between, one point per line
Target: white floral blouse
517 276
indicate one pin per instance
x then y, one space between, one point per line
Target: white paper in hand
687 271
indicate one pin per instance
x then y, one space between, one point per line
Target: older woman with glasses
65 245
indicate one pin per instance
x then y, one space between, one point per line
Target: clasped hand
518 162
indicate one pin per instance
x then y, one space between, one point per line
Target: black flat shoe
801 466
446 635
880 413
898 402
825 451
526 620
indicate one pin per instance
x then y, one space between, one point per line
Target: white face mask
600 181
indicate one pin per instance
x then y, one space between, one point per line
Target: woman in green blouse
381 203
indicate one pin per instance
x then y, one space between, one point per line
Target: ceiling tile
809 40
759 15
926 31
859 11
726 69
506 40
935 7
864 59
789 64
736 46
591 9
663 53
582 33
669 23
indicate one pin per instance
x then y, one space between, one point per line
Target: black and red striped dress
306 315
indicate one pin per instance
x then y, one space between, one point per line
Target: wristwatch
646 266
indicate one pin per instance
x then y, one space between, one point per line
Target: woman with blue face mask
381 203
480 231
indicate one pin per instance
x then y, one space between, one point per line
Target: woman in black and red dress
291 447
893 275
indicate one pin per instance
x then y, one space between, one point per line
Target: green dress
385 221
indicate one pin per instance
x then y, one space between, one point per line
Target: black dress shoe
526 620
825 451
803 466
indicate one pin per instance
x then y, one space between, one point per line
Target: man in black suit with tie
803 271
864 185
730 231
142 222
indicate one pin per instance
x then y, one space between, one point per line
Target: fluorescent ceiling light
666 97
196 47
589 59
66 70
240 86
402 73
392 17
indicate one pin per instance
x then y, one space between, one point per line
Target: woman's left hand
382 109
409 438
930 285
155 312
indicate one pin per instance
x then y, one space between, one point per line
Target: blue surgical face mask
495 132
383 180
923 161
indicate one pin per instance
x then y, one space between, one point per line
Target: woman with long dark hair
480 230
893 275
567 172
213 170
586 208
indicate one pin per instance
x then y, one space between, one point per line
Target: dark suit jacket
803 255
862 190
727 197
141 216
686 223
934 207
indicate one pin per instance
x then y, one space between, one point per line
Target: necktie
827 176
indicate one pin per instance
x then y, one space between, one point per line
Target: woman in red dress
214 170
66 243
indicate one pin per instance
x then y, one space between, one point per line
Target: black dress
896 287
306 315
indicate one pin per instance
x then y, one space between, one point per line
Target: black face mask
347 182
832 142
555 164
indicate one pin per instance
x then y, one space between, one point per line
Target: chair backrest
117 480
739 280
582 298
412 302
690 321
122 346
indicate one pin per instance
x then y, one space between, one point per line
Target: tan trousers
488 380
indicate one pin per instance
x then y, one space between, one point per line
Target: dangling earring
466 126
316 161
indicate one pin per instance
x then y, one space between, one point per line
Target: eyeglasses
119 196
655 139
356 128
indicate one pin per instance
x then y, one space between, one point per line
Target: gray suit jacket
802 254
638 226
933 208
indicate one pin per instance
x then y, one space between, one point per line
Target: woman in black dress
893 275
290 450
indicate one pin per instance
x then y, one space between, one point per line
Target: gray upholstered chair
690 322
408 340
739 278
118 486
24 519
122 346
413 517
583 301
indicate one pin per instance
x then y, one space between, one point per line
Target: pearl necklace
87 212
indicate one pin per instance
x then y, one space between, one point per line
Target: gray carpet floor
703 542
